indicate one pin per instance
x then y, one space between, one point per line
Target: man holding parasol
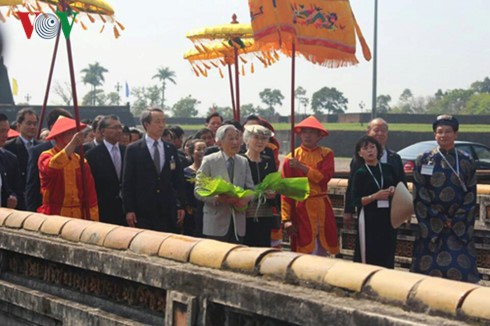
311 223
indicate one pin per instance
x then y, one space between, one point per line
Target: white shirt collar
109 146
226 156
384 157
25 141
150 141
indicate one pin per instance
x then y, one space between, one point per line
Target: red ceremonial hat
12 134
266 124
62 125
313 123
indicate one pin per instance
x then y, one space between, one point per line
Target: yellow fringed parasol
205 57
222 32
223 46
91 9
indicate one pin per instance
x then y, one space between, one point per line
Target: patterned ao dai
445 207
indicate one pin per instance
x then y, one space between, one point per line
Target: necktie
156 156
230 165
116 159
29 144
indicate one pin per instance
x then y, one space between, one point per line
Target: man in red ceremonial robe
61 177
311 223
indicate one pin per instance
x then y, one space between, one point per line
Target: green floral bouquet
294 188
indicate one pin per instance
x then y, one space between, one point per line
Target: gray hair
104 122
146 116
376 121
251 130
221 132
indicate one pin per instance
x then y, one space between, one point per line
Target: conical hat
401 206
12 134
313 123
62 125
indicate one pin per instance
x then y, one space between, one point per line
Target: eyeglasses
115 127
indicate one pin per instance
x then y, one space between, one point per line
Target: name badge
172 163
383 203
427 169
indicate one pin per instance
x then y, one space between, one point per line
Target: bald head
378 129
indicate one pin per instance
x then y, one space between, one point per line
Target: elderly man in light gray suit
221 221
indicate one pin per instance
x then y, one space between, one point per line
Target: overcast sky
422 45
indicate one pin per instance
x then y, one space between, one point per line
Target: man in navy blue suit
153 180
27 122
105 162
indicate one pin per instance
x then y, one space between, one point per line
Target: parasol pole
48 86
293 81
237 85
293 77
84 204
237 73
230 77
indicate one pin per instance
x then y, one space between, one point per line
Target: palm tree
94 75
164 74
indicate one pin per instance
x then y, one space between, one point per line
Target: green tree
439 94
303 100
164 74
478 104
271 98
383 104
481 86
328 99
247 109
94 75
452 102
406 95
97 95
185 107
268 113
145 97
113 98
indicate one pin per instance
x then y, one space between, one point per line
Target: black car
479 152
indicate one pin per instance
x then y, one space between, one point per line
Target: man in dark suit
378 129
33 196
153 181
10 183
105 162
27 122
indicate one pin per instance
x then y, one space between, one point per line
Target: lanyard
380 171
456 172
450 166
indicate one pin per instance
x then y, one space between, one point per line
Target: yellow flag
15 87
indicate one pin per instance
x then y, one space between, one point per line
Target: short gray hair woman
251 130
260 218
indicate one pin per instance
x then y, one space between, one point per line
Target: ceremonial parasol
226 45
89 9
323 32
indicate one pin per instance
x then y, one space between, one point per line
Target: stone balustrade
57 270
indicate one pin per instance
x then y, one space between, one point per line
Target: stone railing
57 270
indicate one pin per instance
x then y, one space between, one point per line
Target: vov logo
46 25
